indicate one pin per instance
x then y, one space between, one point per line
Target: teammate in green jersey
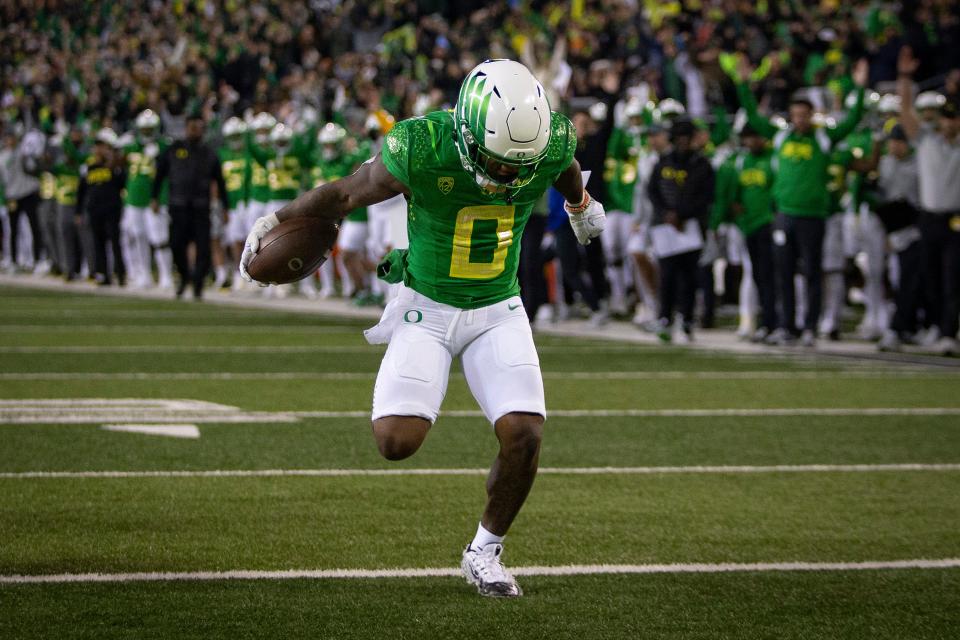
287 159
338 156
145 233
868 235
620 178
236 163
471 178
259 203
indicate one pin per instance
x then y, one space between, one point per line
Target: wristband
578 208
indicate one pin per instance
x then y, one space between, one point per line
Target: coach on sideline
938 165
192 168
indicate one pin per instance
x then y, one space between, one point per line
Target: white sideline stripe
114 410
174 328
679 413
189 431
548 375
337 473
74 403
66 414
449 572
154 348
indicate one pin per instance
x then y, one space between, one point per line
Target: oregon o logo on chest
413 316
295 264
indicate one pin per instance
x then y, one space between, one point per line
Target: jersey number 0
481 239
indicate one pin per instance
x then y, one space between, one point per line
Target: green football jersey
48 186
236 174
141 168
840 161
66 173
862 187
285 172
620 170
464 242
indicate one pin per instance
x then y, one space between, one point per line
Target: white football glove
587 219
250 248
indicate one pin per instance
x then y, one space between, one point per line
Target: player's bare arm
570 183
370 184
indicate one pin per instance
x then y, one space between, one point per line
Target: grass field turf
181 524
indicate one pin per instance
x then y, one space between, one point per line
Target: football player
144 232
236 164
471 178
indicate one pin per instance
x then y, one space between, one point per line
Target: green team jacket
464 242
744 192
800 160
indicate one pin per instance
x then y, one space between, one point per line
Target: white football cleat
482 567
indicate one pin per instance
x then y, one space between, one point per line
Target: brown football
293 250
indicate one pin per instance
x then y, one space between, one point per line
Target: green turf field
652 456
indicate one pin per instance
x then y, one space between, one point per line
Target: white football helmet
331 133
147 123
107 136
263 124
281 136
871 100
929 100
670 109
234 127
502 114
889 104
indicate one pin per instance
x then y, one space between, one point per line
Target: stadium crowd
788 158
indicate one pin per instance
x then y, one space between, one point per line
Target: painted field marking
679 413
356 349
449 572
559 471
105 410
169 430
547 375
129 410
175 328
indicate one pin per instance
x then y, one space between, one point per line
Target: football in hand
293 250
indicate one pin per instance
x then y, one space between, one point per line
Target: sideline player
471 178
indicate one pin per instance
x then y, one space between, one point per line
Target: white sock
164 259
483 538
327 275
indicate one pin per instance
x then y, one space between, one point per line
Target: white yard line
357 349
449 572
560 471
121 410
547 375
679 413
175 328
99 411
